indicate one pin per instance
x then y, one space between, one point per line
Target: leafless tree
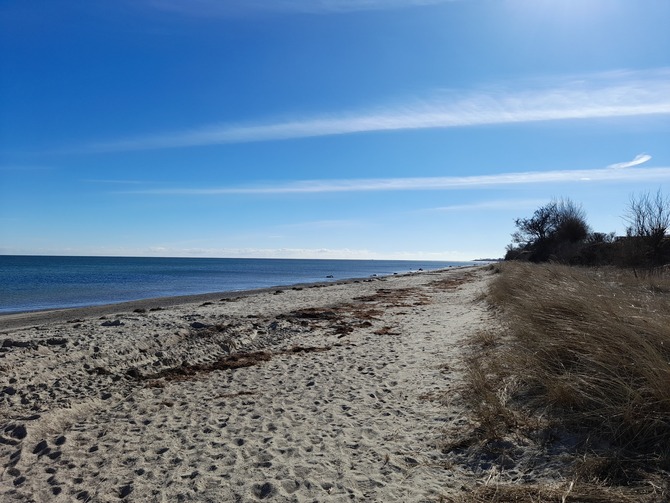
648 216
648 219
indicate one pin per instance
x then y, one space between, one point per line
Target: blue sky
416 129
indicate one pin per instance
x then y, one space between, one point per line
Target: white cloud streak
639 159
613 95
426 183
512 204
213 252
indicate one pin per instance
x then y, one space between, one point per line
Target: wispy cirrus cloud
611 95
427 183
639 159
509 204
295 253
249 252
227 8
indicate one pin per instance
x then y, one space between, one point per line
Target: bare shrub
648 216
648 219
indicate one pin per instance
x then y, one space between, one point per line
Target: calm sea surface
32 283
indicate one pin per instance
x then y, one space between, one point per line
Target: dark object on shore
40 447
17 431
56 341
125 490
134 373
115 323
231 362
197 325
9 343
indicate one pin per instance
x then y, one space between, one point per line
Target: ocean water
33 283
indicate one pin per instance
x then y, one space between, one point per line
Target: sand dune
318 393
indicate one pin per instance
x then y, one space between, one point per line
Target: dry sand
314 393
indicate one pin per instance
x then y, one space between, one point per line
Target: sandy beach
307 393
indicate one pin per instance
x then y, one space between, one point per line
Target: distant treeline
559 232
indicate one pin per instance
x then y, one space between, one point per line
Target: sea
35 283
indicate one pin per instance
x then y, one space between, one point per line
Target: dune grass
586 353
563 493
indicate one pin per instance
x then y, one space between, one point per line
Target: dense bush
552 233
558 232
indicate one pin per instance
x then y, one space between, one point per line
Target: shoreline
44 283
13 320
327 392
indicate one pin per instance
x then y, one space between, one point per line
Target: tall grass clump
590 349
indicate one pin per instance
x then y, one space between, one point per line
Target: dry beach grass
581 370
